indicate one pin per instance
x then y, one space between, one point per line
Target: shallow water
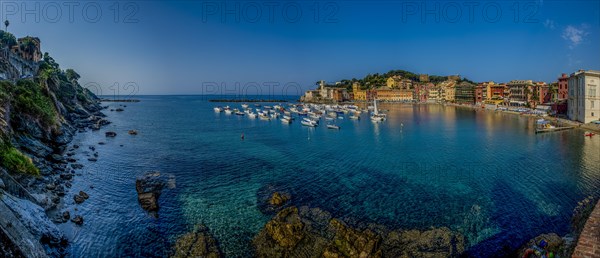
482 173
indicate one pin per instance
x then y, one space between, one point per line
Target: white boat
308 123
376 117
264 117
252 115
286 121
228 111
239 113
333 127
329 118
244 105
340 117
355 117
288 117
218 109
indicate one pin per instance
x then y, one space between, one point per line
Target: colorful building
520 92
584 96
465 93
563 86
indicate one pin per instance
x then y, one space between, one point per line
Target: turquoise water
426 166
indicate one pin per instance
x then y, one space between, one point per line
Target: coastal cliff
38 116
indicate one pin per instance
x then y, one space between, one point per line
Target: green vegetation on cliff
15 161
31 99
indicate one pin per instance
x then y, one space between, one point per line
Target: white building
584 96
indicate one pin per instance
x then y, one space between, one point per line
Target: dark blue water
443 163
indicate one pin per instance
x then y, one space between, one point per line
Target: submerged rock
198 243
312 232
110 134
278 199
436 242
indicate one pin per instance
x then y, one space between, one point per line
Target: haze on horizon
180 47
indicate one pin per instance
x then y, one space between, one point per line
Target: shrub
29 99
13 160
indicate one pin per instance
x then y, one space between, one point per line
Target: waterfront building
544 94
359 94
434 94
465 93
584 96
385 93
479 94
448 90
326 94
520 92
563 86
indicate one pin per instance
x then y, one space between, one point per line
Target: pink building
563 86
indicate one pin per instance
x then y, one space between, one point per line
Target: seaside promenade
588 245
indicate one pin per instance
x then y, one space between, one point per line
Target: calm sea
482 173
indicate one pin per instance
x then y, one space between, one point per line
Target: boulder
132 132
84 195
286 228
198 243
78 199
278 199
110 134
349 242
436 242
78 220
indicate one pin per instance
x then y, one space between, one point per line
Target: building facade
563 86
520 92
464 93
584 96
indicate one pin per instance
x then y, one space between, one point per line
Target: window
592 105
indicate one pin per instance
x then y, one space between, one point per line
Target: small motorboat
218 109
286 121
252 115
239 113
589 134
228 111
308 123
333 127
244 105
355 117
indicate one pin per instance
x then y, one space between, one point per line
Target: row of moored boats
309 114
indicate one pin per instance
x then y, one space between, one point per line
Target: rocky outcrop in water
198 243
149 188
311 232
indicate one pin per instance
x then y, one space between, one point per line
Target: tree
7 39
6 23
72 76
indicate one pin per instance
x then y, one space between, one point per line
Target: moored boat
333 127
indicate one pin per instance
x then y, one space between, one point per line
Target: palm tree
6 23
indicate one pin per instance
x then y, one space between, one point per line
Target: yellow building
393 95
359 95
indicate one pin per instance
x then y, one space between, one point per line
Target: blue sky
188 47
